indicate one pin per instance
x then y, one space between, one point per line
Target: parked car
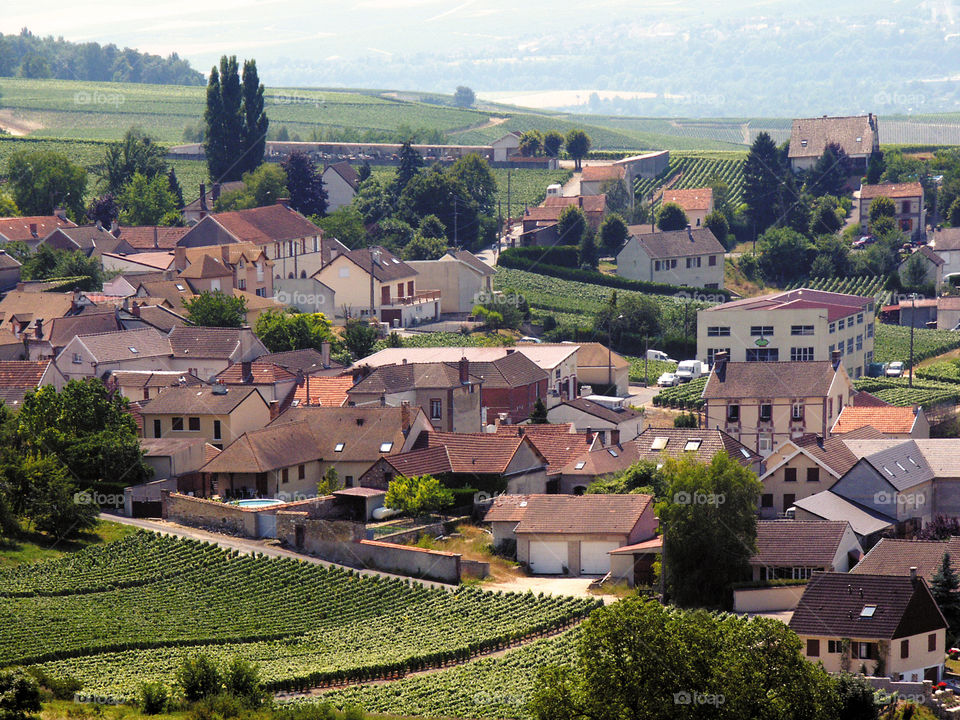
529 339
894 369
690 370
668 379
864 241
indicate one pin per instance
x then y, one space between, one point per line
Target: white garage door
593 556
548 558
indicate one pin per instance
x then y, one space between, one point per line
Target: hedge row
562 255
511 259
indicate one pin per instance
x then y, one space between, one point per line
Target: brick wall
227 518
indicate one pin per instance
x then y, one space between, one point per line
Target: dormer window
338 447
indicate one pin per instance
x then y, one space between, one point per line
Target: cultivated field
120 614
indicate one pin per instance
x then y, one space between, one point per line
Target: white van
658 355
690 370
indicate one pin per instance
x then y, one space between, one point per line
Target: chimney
215 192
464 371
580 201
301 377
835 359
156 238
99 225
38 332
33 230
225 254
690 232
913 573
60 213
203 199
274 409
179 258
325 354
405 417
720 365
246 374
820 441
614 437
283 201
115 228
135 309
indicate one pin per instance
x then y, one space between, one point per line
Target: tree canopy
671 216
236 123
763 176
44 180
305 184
216 309
136 153
148 201
292 330
578 145
464 97
418 495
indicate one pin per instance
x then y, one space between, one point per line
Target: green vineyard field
127 612
682 397
698 171
896 391
863 285
893 343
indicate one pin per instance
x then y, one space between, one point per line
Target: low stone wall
917 692
232 519
414 534
474 568
767 599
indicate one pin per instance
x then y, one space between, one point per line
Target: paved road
246 545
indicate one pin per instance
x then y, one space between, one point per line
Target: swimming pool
260 503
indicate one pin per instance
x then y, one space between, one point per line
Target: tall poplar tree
255 121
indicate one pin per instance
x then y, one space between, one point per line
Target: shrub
199 677
58 688
242 680
153 698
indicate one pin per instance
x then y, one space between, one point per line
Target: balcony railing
420 297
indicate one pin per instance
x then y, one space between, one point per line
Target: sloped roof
204 342
206 267
64 329
154 378
308 360
601 173
830 506
837 305
347 172
271 223
161 260
327 391
162 318
269 448
18 377
602 411
690 199
126 345
142 237
46 305
711 442
940 454
770 379
801 543
544 356
507 508
198 401
388 268
473 261
581 514
587 203
676 243
945 239
558 442
425 461
889 419
480 453
169 290
809 137
892 190
7 262
832 605
91 237
893 556
18 228
261 373
400 378
596 355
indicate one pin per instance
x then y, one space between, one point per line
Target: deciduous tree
578 145
464 97
305 184
671 216
148 201
43 180
216 309
418 495
135 153
613 234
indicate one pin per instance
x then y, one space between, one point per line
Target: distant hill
30 56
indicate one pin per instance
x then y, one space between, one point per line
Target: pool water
265 502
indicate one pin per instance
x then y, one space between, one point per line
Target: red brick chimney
405 417
179 258
246 372
33 230
464 371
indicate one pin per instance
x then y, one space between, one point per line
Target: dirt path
17 127
492 122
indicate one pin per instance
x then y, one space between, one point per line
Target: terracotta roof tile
388 268
207 267
890 419
771 379
601 173
602 411
18 377
64 329
261 373
833 605
206 342
198 401
892 190
18 228
267 224
558 443
690 199
325 391
126 345
576 514
141 237
507 508
892 556
308 360
481 453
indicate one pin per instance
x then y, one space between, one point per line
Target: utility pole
499 228
455 243
913 320
374 257
509 214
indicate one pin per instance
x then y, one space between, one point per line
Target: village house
449 393
24 312
594 208
572 535
19 377
891 421
652 445
218 414
907 200
462 278
32 229
309 361
321 390
146 384
797 325
291 241
765 404
559 443
597 179
696 203
889 624
54 335
486 462
141 262
691 257
931 263
92 240
196 210
391 294
275 383
605 417
239 266
94 356
945 242
794 549
857 136
595 365
9 272
895 556
341 182
208 351
290 456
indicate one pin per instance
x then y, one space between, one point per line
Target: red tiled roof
327 391
17 377
653 545
578 514
893 556
593 173
261 373
890 419
207 267
690 198
482 453
507 508
555 442
141 237
271 223
18 228
892 190
806 543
